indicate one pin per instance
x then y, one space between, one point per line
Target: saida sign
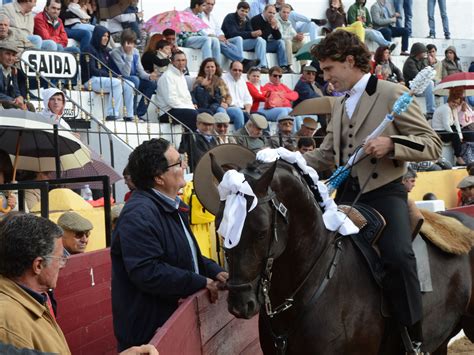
60 65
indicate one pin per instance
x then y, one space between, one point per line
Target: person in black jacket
268 24
155 257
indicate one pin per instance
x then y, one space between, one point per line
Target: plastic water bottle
86 193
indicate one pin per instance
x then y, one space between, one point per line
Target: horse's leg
467 321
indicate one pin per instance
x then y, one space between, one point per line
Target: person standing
444 18
405 6
155 258
376 181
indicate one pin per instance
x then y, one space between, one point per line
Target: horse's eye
261 235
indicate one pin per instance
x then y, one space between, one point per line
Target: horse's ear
217 171
261 185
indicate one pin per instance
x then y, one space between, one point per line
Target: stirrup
411 347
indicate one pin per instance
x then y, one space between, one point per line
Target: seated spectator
384 18
222 121
22 20
173 96
307 87
268 24
466 186
284 137
337 20
300 22
54 102
8 200
306 144
76 232
237 25
195 145
278 94
259 98
308 127
231 48
96 76
239 92
50 28
117 24
434 62
18 38
251 135
359 13
409 179
170 35
415 63
384 67
134 25
429 196
293 40
126 62
77 22
157 54
156 260
450 64
445 122
10 96
209 46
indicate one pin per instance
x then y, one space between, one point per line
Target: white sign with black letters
61 65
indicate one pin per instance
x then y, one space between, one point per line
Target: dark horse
335 310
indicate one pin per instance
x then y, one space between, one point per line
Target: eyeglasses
222 125
310 72
277 76
179 163
62 259
80 235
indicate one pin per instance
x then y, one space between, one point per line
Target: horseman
376 180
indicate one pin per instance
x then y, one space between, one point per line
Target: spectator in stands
445 122
96 76
237 25
157 54
8 201
50 28
384 19
118 23
450 64
18 38
466 186
407 7
413 65
293 40
306 87
77 22
429 196
76 232
210 46
306 144
337 20
444 18
222 120
10 95
239 92
251 135
301 23
170 35
268 24
134 25
156 260
434 62
195 145
231 48
211 94
259 97
173 96
278 94
21 19
54 102
359 13
384 67
126 62
284 137
308 127
409 179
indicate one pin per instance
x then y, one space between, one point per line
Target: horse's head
263 239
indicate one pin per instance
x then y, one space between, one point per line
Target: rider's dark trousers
401 284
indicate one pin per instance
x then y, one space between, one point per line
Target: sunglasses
277 76
222 125
237 70
80 235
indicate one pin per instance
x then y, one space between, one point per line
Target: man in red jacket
50 28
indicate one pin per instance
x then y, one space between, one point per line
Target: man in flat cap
466 186
251 135
76 232
222 120
198 143
308 127
284 137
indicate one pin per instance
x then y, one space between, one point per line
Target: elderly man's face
179 62
4 28
53 9
56 104
409 184
285 127
48 276
222 128
7 58
75 242
306 131
172 180
205 128
253 130
309 76
467 195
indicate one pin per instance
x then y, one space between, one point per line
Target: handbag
276 99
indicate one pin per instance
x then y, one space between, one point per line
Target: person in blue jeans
126 62
444 18
405 6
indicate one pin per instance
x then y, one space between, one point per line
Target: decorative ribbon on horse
232 189
334 220
417 86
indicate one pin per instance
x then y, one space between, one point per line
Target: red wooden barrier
464 209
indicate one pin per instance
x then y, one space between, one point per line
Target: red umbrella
464 80
180 21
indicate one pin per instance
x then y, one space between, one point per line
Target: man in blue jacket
155 257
